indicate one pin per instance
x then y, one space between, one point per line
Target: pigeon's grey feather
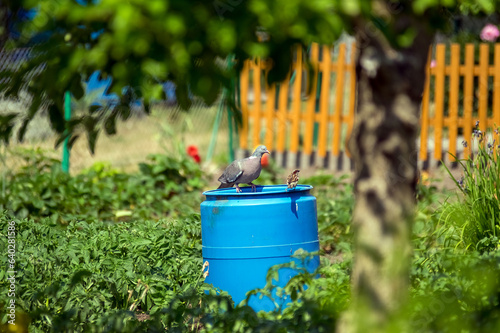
243 171
232 172
225 185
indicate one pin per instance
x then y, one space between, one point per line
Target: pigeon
292 180
243 171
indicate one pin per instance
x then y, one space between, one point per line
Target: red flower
196 158
192 151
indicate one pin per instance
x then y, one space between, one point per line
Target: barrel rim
247 191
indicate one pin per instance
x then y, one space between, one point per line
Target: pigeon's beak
267 151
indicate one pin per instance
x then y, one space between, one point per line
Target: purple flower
477 124
464 143
490 145
489 33
461 182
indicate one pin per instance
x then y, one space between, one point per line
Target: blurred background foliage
141 45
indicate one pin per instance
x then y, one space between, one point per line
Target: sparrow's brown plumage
293 179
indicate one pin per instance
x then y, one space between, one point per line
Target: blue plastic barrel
244 234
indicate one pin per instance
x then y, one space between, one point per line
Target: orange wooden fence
472 87
459 90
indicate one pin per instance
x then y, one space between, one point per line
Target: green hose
67 117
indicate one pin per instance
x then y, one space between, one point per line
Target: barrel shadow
293 205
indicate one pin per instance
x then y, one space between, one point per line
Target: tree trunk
383 145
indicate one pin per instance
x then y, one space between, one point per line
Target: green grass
477 213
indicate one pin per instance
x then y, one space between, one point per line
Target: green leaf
61 138
76 88
110 124
141 242
72 140
406 39
79 276
123 213
56 118
351 8
6 126
182 95
92 139
22 129
94 108
420 6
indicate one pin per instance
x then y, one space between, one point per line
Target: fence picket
339 98
352 94
257 100
468 94
424 118
453 98
483 86
296 104
270 113
282 115
324 101
496 87
439 101
311 103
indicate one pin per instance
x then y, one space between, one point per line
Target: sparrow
292 180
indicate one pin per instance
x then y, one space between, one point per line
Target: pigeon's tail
225 185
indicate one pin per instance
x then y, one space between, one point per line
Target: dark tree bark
383 145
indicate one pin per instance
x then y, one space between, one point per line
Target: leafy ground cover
164 186
107 251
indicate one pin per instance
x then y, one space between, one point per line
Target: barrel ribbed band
254 252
